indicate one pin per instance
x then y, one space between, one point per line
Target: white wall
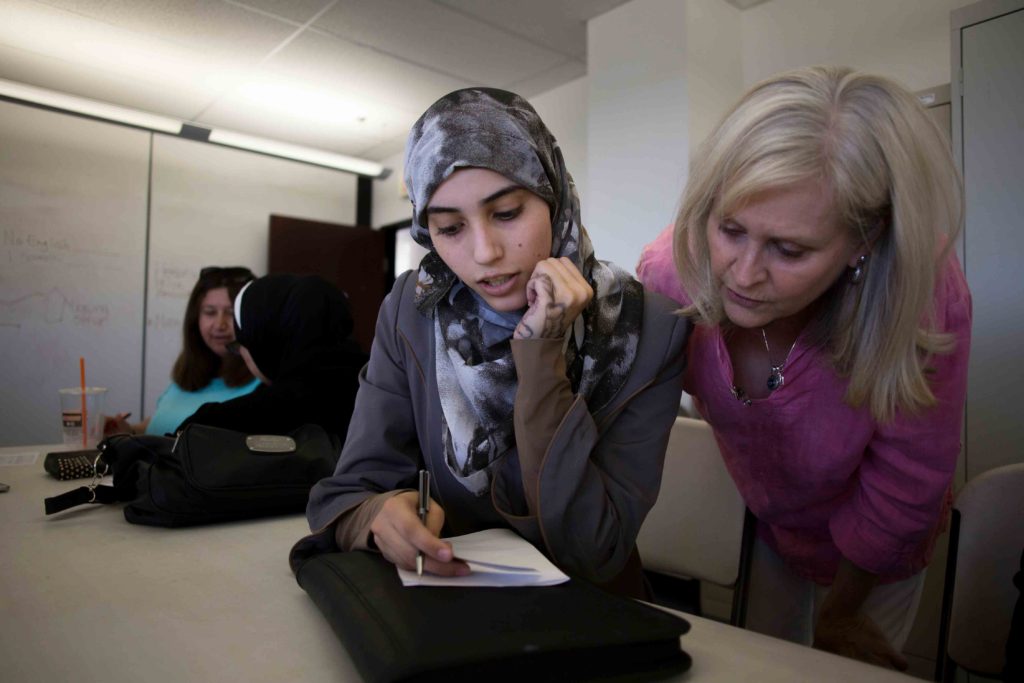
637 125
564 111
906 40
714 64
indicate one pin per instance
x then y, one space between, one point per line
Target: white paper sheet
497 557
23 458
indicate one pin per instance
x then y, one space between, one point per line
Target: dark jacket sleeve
595 481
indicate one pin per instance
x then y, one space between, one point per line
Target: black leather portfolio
570 632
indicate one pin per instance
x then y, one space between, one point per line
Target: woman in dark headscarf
295 334
537 384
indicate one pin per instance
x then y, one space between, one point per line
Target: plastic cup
71 416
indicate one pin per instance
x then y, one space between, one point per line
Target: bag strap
93 493
80 496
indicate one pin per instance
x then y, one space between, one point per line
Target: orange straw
85 416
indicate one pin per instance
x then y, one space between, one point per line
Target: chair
699 528
986 538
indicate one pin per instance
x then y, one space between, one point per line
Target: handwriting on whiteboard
24 246
52 307
174 282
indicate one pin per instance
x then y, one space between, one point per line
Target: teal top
175 404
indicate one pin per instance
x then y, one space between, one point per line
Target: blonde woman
814 246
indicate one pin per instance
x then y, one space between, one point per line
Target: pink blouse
826 480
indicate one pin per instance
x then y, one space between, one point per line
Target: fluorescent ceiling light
81 105
307 154
131 117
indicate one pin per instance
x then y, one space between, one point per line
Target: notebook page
497 557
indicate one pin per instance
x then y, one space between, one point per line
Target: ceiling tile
175 98
304 114
450 42
380 152
560 26
353 82
551 78
212 28
299 11
361 74
164 70
326 92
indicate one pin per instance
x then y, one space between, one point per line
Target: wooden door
353 258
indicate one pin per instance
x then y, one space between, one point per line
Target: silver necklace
775 378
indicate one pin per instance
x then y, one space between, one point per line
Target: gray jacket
597 481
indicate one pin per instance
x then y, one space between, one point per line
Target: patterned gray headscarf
476 377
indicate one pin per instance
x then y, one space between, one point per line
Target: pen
423 505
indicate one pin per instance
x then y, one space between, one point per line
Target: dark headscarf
298 331
476 377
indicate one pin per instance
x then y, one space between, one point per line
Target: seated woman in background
204 371
295 334
814 244
537 384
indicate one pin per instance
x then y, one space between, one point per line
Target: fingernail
462 570
445 554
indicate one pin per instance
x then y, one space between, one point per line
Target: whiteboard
211 206
72 247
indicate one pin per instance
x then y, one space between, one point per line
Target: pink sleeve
657 268
909 464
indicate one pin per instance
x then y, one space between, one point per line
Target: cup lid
77 391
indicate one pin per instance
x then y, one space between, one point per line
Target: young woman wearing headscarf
537 384
295 334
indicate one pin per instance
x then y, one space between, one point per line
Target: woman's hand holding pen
556 295
399 535
117 424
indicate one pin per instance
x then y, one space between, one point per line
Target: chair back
695 529
986 551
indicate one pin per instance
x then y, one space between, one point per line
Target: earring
858 271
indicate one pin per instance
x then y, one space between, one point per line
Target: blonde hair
893 185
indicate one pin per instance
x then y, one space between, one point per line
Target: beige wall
714 64
564 110
907 40
637 125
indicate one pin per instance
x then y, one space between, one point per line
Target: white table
86 596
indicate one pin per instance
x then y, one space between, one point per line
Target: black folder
569 632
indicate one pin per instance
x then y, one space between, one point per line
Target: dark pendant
775 379
740 395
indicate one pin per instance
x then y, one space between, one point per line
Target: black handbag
570 632
207 474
